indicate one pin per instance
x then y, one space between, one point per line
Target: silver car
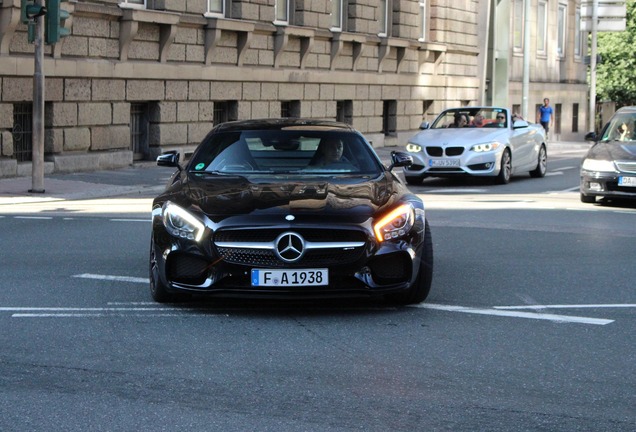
477 141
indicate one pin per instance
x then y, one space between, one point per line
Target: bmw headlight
181 223
413 148
485 147
598 165
395 224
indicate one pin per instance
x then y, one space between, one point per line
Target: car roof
283 123
630 109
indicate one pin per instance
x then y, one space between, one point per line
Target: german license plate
627 181
444 162
296 277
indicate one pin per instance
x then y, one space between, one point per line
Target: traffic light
54 25
29 11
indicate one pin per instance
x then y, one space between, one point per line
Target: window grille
23 132
139 126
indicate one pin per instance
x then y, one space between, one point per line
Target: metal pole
592 113
37 145
526 61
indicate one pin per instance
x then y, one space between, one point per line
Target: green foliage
616 75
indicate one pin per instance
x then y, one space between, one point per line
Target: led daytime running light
180 223
384 228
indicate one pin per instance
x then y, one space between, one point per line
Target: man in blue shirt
544 116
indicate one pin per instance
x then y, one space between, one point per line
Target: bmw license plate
627 181
297 277
444 162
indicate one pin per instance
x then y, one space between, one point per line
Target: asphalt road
529 326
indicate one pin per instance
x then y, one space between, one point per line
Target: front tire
158 289
420 289
587 199
542 164
505 171
414 181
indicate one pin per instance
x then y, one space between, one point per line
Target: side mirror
591 136
168 159
518 124
424 125
400 159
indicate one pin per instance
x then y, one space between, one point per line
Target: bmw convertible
477 141
288 208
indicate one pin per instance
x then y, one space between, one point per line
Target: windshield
621 128
285 151
471 117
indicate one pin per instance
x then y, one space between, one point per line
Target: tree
616 74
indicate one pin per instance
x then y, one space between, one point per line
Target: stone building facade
139 77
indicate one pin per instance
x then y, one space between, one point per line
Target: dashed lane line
514 314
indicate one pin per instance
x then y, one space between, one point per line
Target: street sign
611 15
588 59
606 9
604 25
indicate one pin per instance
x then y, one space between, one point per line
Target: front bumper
185 266
603 184
486 164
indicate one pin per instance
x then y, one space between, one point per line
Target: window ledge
214 29
130 20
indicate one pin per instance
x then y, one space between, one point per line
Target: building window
423 28
224 111
290 108
518 25
135 4
383 21
336 14
389 118
22 132
344 111
216 8
426 107
139 126
541 26
516 109
561 30
578 34
575 117
282 11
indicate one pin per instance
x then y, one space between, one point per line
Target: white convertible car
477 141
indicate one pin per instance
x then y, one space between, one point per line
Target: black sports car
291 208
608 169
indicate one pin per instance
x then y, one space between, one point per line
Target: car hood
458 137
612 150
349 198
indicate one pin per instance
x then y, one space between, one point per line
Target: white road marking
130 220
34 217
570 306
512 314
554 173
112 278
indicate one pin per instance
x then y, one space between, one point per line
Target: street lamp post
37 160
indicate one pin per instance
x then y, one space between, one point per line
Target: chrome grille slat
626 166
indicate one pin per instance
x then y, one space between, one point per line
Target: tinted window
621 128
275 151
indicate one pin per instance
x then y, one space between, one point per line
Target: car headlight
485 147
181 223
395 224
598 165
413 148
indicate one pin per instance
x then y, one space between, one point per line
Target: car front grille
256 247
628 167
448 151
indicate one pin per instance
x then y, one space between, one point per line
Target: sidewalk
144 178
